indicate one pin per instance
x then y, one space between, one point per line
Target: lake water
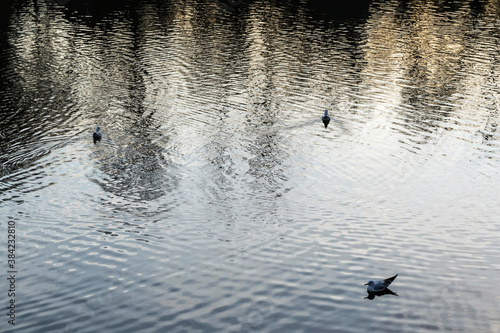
217 201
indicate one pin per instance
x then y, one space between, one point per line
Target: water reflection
426 51
372 295
215 179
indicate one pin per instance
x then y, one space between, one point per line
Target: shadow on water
339 11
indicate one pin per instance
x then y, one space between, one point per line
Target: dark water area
217 201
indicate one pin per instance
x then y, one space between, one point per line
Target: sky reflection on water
217 200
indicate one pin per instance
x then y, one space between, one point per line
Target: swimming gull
326 118
97 134
381 285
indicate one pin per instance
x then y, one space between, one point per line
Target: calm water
217 201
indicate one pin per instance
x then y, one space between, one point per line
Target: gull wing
388 281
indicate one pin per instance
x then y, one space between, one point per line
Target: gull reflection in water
387 291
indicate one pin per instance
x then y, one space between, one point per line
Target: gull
326 118
97 134
379 286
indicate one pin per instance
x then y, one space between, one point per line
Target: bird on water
97 135
326 119
379 286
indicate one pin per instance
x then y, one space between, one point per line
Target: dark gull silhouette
379 286
97 135
326 119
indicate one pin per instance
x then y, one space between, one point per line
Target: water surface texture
216 200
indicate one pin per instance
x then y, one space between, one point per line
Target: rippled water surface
217 201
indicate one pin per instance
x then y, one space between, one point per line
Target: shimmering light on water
217 200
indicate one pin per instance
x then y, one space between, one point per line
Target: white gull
381 285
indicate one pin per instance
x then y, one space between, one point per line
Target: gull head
370 283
